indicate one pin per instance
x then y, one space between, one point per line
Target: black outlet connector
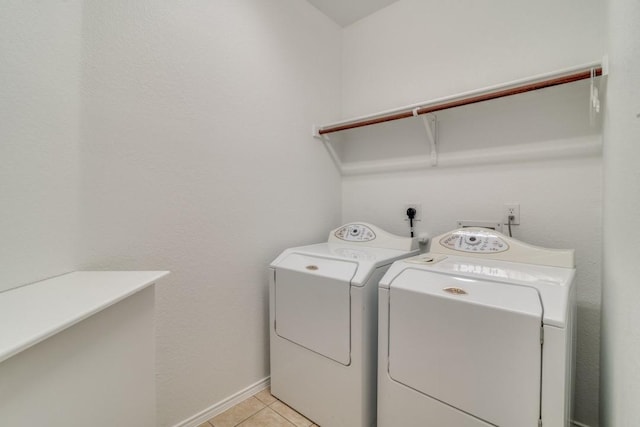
411 213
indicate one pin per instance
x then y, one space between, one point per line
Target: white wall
620 391
39 128
418 50
197 158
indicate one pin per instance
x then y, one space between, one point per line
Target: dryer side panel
477 350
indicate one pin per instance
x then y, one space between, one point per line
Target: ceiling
345 12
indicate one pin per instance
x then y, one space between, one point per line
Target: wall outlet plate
511 209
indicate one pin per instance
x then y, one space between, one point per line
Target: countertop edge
83 312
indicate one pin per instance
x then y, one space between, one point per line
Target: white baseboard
223 405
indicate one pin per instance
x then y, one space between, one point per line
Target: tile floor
260 410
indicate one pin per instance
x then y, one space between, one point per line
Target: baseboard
223 405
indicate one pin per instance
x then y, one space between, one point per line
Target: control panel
362 234
475 241
355 233
488 244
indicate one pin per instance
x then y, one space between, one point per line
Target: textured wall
418 50
40 47
197 157
620 392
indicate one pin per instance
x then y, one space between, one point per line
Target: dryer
477 332
323 323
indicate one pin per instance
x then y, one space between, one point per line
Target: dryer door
472 344
313 306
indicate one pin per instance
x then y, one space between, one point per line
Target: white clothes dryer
323 323
478 332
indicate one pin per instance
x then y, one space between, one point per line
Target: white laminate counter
33 313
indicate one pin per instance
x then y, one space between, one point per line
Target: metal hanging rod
569 76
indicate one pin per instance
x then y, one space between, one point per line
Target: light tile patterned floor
260 410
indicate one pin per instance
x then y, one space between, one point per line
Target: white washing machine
478 332
323 323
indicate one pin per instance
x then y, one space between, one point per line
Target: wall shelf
427 109
33 313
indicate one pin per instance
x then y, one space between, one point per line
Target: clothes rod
542 84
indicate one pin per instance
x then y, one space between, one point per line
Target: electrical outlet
511 209
418 209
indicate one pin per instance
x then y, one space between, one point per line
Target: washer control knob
472 240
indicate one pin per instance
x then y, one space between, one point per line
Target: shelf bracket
327 145
431 127
594 98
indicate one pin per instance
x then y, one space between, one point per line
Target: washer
323 323
478 332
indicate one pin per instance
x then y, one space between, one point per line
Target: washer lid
553 284
363 260
339 269
513 298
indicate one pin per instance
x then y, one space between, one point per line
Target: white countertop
35 312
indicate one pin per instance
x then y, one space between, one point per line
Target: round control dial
474 241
